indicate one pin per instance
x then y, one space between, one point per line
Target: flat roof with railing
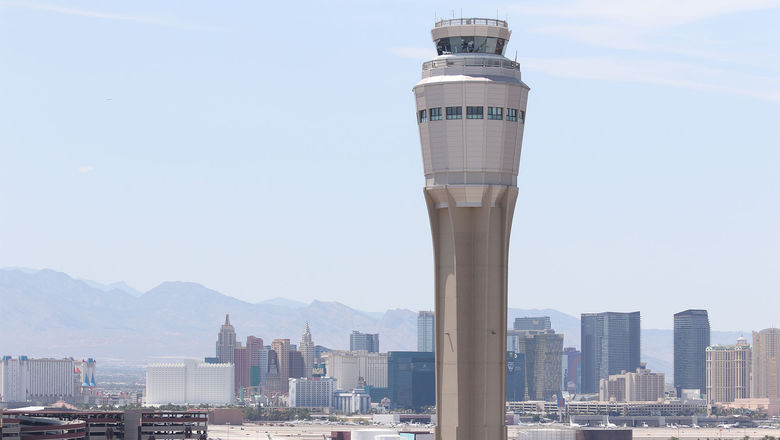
471 61
472 21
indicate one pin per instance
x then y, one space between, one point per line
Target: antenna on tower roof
515 55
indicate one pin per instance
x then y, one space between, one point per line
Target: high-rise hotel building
282 349
470 107
306 347
359 341
226 343
728 372
425 331
611 344
766 363
43 380
691 339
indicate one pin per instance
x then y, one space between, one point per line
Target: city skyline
235 145
609 122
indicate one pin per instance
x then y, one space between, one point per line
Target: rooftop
472 22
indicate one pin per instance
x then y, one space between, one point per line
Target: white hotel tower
471 113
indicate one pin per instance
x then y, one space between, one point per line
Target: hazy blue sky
270 149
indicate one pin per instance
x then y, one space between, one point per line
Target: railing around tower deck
471 21
475 62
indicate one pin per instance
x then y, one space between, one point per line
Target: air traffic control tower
471 113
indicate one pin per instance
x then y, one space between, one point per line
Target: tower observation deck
471 105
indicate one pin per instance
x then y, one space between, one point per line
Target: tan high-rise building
306 347
543 353
471 105
226 342
282 349
728 372
766 363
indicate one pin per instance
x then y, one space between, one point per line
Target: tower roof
471 22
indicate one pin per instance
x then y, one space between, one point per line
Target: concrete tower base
470 225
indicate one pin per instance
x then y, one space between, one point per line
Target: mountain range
44 313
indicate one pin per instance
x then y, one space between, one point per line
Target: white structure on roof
190 382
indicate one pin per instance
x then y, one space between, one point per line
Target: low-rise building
314 392
656 408
357 401
765 405
134 424
640 386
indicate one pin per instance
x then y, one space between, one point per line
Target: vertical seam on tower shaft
463 131
487 196
484 124
450 213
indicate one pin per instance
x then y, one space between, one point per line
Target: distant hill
48 313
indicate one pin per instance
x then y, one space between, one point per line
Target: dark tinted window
423 116
496 113
474 112
511 114
454 112
468 44
436 114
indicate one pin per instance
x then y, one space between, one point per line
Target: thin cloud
619 24
646 14
107 15
85 169
415 53
683 75
655 42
